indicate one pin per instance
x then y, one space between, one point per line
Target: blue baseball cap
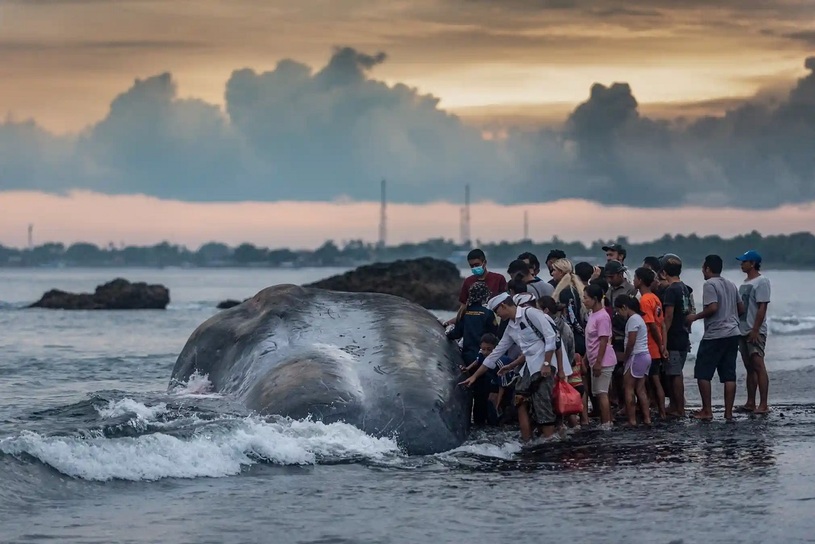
751 256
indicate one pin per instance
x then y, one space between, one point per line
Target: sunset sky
218 120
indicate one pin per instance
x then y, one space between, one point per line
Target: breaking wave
792 325
215 448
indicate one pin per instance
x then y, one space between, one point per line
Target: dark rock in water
429 282
118 294
228 303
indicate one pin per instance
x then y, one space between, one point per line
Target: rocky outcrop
228 303
431 283
118 294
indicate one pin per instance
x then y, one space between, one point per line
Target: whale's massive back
375 361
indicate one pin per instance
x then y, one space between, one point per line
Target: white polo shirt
519 333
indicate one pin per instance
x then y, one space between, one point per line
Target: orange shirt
652 313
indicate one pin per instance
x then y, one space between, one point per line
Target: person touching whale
531 331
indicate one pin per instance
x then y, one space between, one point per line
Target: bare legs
677 407
636 386
729 399
706 413
605 408
757 380
659 394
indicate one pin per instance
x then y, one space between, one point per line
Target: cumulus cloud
757 155
297 133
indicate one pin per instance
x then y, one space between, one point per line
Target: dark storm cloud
755 156
296 133
286 134
806 36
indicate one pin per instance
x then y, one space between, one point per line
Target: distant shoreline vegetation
792 251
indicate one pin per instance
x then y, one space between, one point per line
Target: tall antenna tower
465 217
30 236
383 217
526 225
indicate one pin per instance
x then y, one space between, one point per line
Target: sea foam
218 452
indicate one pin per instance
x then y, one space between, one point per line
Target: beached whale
375 361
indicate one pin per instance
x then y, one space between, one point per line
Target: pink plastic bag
566 399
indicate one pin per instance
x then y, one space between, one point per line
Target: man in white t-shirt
755 295
533 333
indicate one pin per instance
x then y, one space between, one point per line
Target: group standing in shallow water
621 344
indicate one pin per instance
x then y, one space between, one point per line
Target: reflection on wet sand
747 445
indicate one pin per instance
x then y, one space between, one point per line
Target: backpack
540 335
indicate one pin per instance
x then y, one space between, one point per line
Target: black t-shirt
568 297
677 295
659 291
475 322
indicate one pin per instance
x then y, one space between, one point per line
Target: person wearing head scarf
476 321
478 295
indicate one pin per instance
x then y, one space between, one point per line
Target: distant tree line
783 251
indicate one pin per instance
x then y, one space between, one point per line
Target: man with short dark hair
720 345
497 283
532 260
677 302
654 317
618 284
652 263
755 295
520 270
658 288
615 252
554 255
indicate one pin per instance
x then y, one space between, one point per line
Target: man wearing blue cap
755 295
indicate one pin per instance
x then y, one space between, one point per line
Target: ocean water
94 449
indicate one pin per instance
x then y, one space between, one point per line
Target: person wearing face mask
496 283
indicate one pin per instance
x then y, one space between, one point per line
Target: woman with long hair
569 293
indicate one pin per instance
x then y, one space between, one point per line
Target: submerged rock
432 283
228 303
118 294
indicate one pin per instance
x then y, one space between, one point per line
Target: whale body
375 361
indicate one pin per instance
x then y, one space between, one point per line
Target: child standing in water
576 381
637 358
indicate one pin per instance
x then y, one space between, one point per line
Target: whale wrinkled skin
375 361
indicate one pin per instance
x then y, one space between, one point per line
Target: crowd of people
620 338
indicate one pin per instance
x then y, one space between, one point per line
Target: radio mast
383 217
465 217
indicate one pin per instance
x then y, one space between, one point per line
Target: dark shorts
656 367
675 363
717 356
580 388
536 391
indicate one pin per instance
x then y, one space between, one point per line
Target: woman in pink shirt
599 352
